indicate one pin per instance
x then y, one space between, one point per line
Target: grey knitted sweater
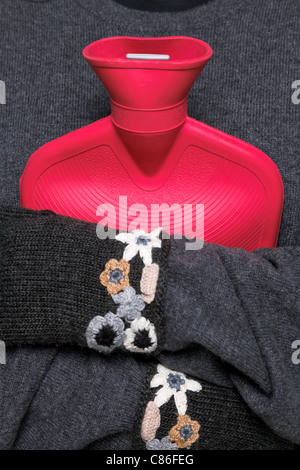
230 317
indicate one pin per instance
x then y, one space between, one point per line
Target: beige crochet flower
185 432
115 276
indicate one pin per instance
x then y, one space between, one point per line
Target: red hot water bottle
148 163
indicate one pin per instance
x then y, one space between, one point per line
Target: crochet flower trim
186 431
141 336
105 333
140 242
163 444
151 422
108 333
149 282
115 276
130 304
173 384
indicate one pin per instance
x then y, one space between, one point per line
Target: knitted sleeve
239 312
216 312
61 284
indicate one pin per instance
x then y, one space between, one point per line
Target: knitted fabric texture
50 91
49 277
217 416
162 5
236 315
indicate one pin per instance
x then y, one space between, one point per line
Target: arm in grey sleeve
244 309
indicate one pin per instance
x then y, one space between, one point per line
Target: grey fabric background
65 399
245 90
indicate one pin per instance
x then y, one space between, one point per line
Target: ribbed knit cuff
61 284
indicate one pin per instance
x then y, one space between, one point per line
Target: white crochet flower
141 336
173 384
140 242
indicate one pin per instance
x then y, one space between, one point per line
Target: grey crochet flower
105 333
130 304
163 444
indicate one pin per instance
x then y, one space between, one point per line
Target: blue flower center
175 381
142 240
115 276
186 432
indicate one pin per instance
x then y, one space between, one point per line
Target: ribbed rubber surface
233 197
